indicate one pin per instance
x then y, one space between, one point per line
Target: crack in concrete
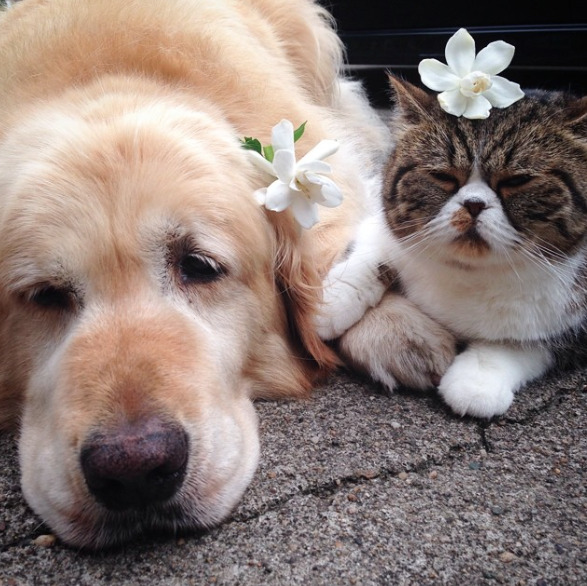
332 487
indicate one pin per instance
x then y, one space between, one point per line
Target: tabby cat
481 245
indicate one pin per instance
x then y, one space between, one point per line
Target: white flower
469 84
301 185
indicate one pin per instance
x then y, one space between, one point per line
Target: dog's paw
477 385
346 296
396 344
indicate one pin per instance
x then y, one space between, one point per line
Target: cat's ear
576 115
414 104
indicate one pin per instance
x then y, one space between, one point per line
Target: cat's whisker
434 225
419 222
505 245
507 254
548 252
417 243
547 266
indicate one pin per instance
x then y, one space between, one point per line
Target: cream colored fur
119 145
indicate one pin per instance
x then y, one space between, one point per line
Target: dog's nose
136 464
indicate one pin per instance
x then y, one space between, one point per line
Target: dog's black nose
135 464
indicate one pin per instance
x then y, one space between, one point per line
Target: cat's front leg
483 379
348 292
354 285
396 344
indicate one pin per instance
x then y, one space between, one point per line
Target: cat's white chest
492 303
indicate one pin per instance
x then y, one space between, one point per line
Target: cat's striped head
479 191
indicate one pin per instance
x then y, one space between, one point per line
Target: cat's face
477 191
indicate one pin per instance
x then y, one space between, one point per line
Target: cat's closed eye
514 181
446 180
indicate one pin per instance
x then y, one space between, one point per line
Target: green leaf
298 132
269 153
252 144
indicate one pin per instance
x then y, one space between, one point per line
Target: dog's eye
51 297
195 268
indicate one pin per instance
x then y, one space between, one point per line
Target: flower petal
305 212
477 108
311 190
260 195
282 136
452 102
261 163
460 52
278 196
437 76
494 58
323 149
503 93
313 167
329 195
284 164
332 195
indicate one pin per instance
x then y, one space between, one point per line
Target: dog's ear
292 370
301 287
308 37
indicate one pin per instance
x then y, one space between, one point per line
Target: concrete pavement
356 487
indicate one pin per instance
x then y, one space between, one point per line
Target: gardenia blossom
469 84
300 185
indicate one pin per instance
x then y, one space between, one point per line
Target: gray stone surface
356 487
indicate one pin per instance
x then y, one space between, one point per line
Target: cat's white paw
471 387
482 380
347 294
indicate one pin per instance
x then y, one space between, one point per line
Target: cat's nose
474 206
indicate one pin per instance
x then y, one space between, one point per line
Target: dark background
391 35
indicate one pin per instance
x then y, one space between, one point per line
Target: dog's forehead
127 187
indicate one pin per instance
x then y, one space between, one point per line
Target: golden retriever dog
146 298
